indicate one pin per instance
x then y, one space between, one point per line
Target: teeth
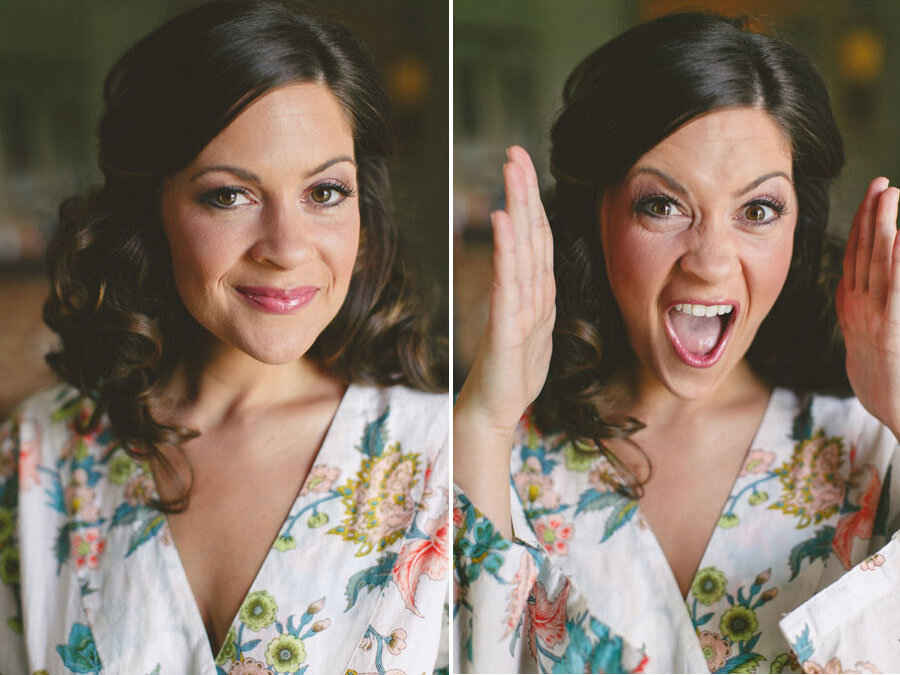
703 310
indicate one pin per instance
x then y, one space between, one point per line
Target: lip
713 356
277 300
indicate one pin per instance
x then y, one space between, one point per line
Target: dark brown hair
620 102
113 301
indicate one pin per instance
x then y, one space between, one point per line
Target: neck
655 405
219 382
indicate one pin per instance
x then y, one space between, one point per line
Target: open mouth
699 332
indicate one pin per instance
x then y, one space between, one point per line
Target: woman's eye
328 194
226 198
658 207
761 213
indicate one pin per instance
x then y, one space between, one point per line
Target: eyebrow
679 188
244 174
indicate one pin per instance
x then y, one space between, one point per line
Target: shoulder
48 415
407 415
841 418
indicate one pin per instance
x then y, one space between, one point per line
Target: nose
283 238
712 253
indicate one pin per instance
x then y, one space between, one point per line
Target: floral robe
584 586
355 581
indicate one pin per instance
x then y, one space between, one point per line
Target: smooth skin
712 426
271 218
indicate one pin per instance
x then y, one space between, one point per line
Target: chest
243 489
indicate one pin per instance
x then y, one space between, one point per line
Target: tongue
697 334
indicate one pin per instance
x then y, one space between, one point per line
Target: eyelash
209 198
642 206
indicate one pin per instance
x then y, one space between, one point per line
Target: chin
273 350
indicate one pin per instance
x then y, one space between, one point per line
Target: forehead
732 144
301 122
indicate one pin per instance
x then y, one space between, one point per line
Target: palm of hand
868 304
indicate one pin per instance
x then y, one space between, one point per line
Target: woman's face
263 226
697 240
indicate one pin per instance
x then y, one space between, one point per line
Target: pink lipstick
278 300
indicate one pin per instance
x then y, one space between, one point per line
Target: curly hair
113 301
618 103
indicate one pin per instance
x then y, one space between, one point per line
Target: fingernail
882 183
508 156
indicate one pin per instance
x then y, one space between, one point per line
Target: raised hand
514 352
868 304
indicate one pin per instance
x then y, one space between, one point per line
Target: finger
504 284
883 243
548 278
865 223
536 217
517 209
893 299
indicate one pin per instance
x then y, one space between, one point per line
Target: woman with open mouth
694 479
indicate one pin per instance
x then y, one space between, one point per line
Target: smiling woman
693 470
245 468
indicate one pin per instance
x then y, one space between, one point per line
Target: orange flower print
858 524
87 546
422 556
554 534
546 619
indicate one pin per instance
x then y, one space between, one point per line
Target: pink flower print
80 499
140 491
29 448
602 477
872 562
811 479
757 462
422 556
87 547
834 666
248 667
715 650
520 590
546 619
458 518
534 487
554 533
397 641
320 479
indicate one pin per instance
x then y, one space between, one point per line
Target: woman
681 482
243 472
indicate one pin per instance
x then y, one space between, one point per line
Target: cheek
770 267
636 265
201 255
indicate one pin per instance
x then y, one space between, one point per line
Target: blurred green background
511 58
54 56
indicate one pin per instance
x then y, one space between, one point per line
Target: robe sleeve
516 612
12 643
851 625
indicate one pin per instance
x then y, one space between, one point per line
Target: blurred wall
54 56
511 58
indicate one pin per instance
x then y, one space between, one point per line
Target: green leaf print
80 655
149 527
803 422
742 663
819 547
594 500
621 515
369 578
374 436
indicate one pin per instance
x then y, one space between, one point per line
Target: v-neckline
676 601
175 567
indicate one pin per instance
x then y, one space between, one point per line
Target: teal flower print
258 610
482 552
80 654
